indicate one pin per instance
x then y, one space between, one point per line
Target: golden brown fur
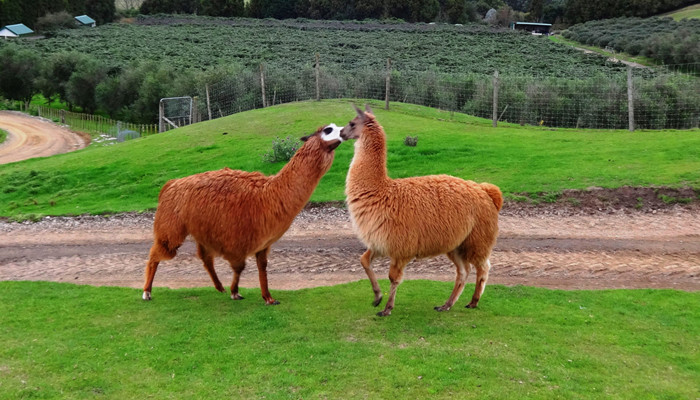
236 214
417 217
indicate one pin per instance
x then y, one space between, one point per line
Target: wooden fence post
388 83
62 116
193 113
630 99
318 78
206 87
262 85
495 99
161 114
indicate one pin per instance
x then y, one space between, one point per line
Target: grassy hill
691 12
68 341
128 176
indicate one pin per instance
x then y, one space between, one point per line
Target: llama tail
495 193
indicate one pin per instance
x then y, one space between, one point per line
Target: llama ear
369 110
359 112
305 138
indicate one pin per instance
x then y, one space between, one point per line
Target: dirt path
602 250
30 137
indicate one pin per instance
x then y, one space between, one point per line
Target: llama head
353 130
329 136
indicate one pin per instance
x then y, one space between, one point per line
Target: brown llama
417 217
236 214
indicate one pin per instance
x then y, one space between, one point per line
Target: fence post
318 78
62 116
206 87
161 114
193 113
388 83
262 84
495 99
630 98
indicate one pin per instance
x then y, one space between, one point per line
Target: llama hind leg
463 268
261 258
482 275
208 260
237 267
366 260
395 276
161 250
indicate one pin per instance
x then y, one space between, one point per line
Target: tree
101 10
18 72
536 10
80 89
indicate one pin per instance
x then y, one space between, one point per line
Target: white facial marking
331 132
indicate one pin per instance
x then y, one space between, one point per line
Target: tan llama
417 217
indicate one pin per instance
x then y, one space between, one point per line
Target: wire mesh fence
96 124
668 98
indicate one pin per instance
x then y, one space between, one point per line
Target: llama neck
368 167
296 181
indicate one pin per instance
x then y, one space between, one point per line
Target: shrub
55 21
282 149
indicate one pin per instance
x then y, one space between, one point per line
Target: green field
187 42
3 135
691 12
128 176
79 342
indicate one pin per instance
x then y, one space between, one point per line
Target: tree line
28 12
453 11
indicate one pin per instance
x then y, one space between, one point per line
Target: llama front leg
366 260
460 280
208 261
261 258
395 276
482 275
237 267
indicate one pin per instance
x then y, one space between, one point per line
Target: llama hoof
274 303
470 305
237 297
146 295
220 289
376 302
442 308
383 313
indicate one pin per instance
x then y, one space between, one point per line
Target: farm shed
84 20
15 30
533 27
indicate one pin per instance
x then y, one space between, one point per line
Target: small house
535 28
16 30
84 20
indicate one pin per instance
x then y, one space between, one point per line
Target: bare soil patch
599 243
30 137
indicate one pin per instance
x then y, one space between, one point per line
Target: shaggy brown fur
417 217
236 214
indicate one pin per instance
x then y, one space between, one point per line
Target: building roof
85 20
532 23
18 29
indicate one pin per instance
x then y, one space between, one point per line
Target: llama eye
327 131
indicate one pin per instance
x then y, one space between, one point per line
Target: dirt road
30 137
626 249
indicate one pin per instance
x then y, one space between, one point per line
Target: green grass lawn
67 341
690 12
3 136
128 176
